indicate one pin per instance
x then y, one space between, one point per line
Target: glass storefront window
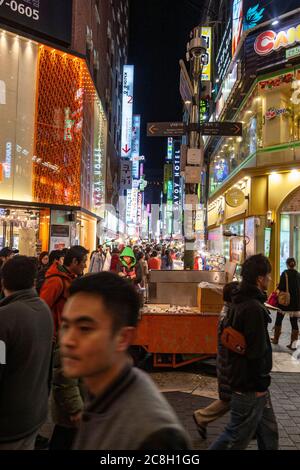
19 228
235 150
18 74
284 240
49 108
270 117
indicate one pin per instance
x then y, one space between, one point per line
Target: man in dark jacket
218 408
125 411
26 329
249 374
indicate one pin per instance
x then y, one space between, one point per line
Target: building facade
254 180
60 119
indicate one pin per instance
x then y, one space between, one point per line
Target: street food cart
179 326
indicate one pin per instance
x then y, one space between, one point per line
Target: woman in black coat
293 309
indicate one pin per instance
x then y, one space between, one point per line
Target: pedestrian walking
249 370
218 408
97 261
58 279
26 329
289 283
154 263
115 260
128 267
126 411
167 261
66 397
43 260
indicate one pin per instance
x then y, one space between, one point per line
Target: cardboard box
209 301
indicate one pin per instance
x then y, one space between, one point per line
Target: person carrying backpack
249 362
58 279
66 397
220 407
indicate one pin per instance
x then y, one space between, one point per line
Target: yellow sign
206 71
235 197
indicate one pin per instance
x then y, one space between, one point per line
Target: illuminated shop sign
274 112
237 24
7 164
167 176
204 110
176 176
207 35
228 85
170 149
134 206
225 53
139 208
2 92
126 175
127 110
277 81
221 170
51 18
259 11
271 41
128 207
135 151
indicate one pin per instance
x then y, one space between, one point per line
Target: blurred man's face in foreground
89 345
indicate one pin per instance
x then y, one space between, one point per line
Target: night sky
159 32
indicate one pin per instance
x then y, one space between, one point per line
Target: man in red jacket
55 290
66 401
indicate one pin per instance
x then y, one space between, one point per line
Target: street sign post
186 87
226 129
166 129
178 129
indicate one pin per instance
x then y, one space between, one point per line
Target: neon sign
127 111
270 41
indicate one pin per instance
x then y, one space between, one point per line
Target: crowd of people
67 335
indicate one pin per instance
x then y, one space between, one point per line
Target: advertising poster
206 71
127 111
237 24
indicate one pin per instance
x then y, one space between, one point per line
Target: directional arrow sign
166 129
126 149
226 129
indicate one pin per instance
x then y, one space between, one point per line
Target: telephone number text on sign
21 8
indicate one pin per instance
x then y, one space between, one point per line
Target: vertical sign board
176 187
134 206
126 172
135 148
237 24
139 208
128 206
127 110
170 149
225 53
207 35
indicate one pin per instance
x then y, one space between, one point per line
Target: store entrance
19 229
289 238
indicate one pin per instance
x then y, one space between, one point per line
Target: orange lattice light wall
64 90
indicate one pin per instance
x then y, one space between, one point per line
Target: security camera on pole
197 57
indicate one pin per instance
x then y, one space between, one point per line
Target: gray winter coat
26 328
131 415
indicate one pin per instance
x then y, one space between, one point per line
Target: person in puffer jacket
218 408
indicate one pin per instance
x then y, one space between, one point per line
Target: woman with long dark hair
290 283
